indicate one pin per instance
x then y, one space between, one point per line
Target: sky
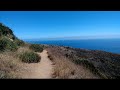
62 24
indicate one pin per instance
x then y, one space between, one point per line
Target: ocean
109 45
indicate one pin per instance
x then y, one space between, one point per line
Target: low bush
3 44
30 57
19 42
36 47
6 44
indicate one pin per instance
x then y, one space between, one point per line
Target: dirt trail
41 70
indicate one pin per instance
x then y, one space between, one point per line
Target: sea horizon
108 45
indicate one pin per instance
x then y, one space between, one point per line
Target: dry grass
65 69
23 49
9 65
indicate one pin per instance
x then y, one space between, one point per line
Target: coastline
98 44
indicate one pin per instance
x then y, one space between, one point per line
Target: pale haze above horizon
62 24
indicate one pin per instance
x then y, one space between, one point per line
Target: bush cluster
19 42
36 47
6 44
30 57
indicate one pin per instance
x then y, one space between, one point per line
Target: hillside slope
8 41
21 60
102 64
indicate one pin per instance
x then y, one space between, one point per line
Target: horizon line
78 37
70 38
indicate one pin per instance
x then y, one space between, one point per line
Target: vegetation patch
36 47
30 57
6 31
6 44
85 63
90 66
19 42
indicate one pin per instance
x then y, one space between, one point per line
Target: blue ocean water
109 45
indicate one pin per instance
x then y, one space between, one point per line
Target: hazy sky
52 24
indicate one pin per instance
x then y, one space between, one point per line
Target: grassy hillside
14 52
8 41
6 31
102 64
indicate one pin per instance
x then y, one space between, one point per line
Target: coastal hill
19 59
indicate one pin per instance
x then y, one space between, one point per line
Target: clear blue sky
53 24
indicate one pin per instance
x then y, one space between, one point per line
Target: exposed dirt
41 70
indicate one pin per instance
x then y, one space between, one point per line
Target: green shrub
3 44
0 34
12 46
19 42
5 30
36 47
6 44
30 57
